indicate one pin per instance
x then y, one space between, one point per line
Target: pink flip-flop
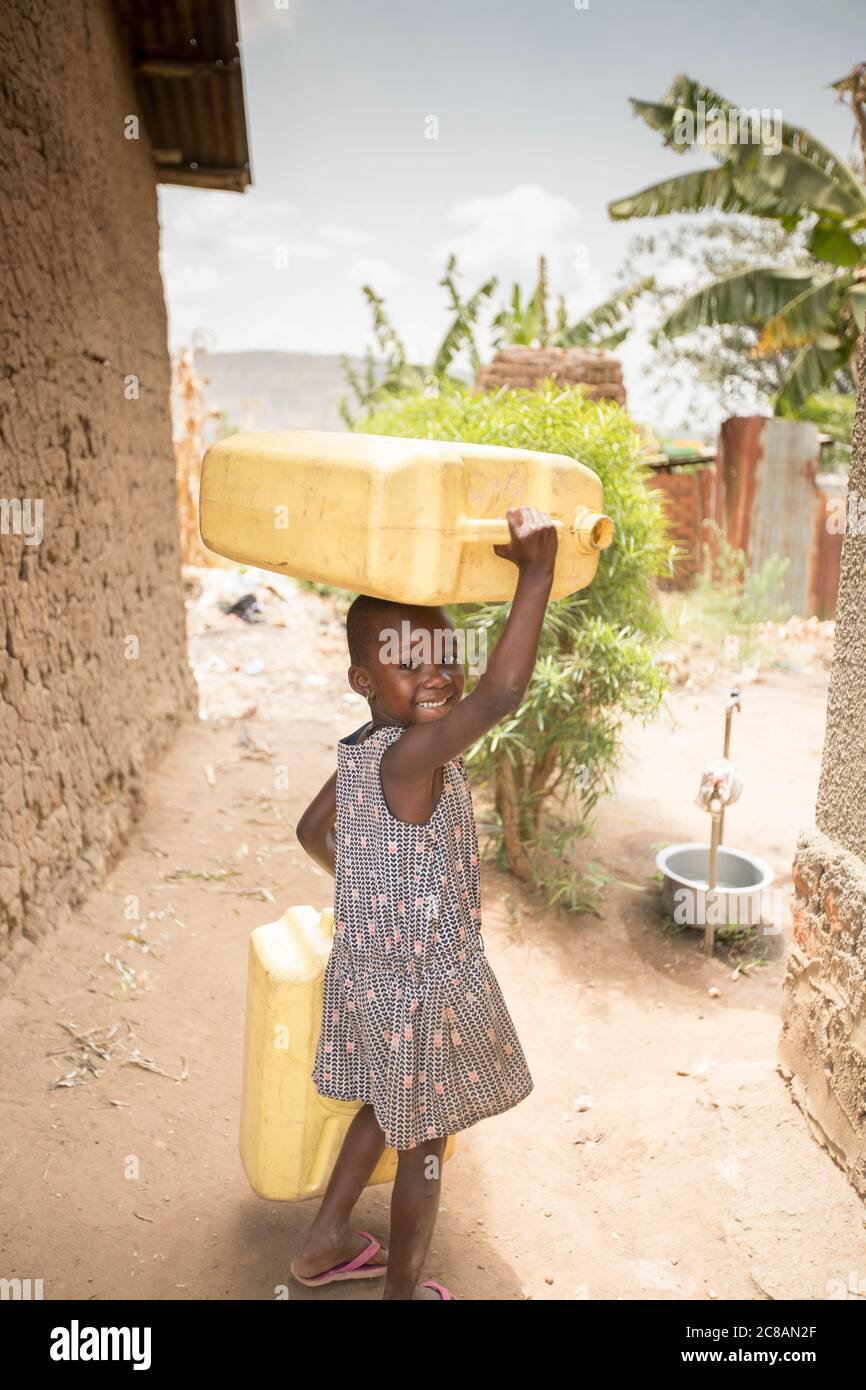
440 1289
356 1268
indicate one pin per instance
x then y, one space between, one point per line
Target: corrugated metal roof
186 63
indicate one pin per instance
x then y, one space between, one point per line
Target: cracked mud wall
93 670
822 1047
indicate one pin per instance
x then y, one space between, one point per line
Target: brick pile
525 368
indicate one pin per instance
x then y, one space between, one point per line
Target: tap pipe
733 704
712 879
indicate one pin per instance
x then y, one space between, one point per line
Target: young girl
414 1024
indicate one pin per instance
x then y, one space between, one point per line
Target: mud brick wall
525 368
822 1047
686 499
93 671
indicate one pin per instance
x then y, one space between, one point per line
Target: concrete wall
822 1048
841 810
81 714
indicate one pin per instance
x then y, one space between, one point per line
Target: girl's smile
416 678
435 702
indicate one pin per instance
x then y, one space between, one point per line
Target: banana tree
388 372
529 323
819 310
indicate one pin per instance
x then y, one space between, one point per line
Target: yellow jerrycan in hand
290 1136
408 519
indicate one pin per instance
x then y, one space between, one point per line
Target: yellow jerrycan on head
413 520
290 1136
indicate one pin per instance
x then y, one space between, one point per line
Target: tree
605 326
596 666
527 322
779 172
716 367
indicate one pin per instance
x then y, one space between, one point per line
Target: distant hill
275 390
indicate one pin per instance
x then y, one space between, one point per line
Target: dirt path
689 1173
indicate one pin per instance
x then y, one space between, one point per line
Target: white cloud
211 226
504 234
257 271
342 236
379 274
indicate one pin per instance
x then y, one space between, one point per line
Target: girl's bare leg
330 1240
414 1207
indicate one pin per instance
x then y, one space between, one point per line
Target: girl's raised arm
424 747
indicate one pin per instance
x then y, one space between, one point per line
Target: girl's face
414 672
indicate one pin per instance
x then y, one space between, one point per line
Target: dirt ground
659 1155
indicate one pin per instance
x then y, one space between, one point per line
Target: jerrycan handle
589 530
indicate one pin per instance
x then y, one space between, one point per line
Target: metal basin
736 899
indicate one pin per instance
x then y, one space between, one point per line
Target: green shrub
596 665
833 413
734 600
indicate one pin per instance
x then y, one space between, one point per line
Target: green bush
833 413
596 664
734 600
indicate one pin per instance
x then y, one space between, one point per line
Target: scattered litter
264 895
246 607
71 1078
591 1140
147 948
130 978
694 659
148 1064
254 748
96 1043
584 1102
210 877
254 667
210 774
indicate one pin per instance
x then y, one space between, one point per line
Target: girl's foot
420 1292
324 1253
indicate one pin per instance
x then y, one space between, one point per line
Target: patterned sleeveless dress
413 1019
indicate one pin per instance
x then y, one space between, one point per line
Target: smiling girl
414 1024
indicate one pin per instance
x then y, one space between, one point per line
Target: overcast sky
535 137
